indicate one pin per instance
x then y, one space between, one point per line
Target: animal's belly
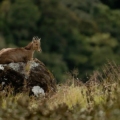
18 58
15 56
7 58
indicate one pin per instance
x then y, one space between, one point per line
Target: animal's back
9 55
6 50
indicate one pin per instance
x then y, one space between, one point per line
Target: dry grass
94 100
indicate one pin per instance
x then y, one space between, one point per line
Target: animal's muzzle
40 50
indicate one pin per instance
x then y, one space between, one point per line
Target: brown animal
23 54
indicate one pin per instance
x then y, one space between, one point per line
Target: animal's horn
36 37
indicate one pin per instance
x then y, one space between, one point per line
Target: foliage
75 33
114 4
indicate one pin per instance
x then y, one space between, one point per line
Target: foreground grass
98 99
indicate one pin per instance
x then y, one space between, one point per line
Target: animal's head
36 44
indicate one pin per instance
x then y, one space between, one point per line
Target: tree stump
32 77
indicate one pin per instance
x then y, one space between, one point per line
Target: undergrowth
97 99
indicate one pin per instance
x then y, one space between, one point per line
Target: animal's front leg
27 59
27 69
31 59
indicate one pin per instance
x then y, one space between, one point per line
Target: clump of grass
69 95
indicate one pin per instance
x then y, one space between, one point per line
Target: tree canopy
74 33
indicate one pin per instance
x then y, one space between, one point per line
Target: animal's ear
39 39
36 38
33 38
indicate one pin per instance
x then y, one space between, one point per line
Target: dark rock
33 77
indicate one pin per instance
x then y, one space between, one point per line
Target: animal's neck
29 46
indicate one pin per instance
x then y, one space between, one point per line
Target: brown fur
24 54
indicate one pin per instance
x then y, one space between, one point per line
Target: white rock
3 83
1 67
37 90
33 64
14 66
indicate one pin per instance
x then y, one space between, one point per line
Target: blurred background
75 34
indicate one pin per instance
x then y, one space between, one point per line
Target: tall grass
97 99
